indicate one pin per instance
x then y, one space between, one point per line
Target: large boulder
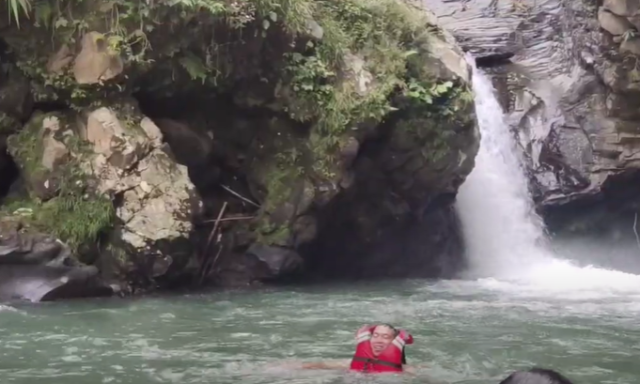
111 161
130 161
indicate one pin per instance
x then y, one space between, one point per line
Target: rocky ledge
571 93
187 143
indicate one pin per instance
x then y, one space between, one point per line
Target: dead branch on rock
237 218
239 196
215 259
204 261
206 271
215 227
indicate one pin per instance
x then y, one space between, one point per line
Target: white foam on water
505 239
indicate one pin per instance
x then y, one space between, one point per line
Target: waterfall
503 234
504 237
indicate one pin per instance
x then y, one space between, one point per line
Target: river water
520 304
466 332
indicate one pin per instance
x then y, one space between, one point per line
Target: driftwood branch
239 196
237 218
208 266
212 234
215 259
215 228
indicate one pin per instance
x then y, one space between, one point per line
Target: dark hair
536 376
395 331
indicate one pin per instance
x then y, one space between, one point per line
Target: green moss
78 220
432 113
75 215
26 147
8 124
285 171
379 32
272 233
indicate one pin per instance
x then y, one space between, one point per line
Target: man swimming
380 349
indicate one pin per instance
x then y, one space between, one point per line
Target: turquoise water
466 332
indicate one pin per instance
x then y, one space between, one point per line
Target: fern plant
16 6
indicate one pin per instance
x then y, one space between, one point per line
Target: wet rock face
571 94
35 267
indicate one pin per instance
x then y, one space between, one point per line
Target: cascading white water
502 231
504 237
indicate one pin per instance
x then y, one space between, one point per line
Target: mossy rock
331 66
60 201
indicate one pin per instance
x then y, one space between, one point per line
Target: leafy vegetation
74 214
16 7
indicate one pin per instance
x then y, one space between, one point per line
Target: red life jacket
389 360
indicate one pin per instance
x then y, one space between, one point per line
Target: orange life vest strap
377 361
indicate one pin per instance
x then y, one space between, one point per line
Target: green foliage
284 172
431 111
424 95
75 218
437 100
27 146
8 124
15 7
379 34
75 215
194 66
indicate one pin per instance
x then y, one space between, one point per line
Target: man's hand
406 336
364 328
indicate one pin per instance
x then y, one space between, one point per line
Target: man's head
381 337
536 376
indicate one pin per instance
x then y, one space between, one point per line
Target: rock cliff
174 143
571 94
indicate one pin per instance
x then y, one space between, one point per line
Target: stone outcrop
36 267
113 160
571 95
396 218
186 146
